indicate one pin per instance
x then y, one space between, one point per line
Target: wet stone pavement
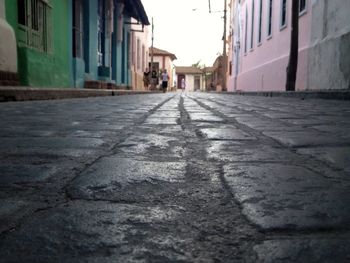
175 178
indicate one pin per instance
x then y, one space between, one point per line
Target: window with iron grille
302 6
143 58
34 24
283 16
78 24
252 26
138 54
101 33
260 21
246 30
269 19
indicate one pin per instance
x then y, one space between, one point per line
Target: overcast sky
187 29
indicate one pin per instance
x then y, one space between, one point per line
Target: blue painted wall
90 39
121 72
87 68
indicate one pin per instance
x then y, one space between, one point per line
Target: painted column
119 21
8 47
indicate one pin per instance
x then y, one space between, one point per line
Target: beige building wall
165 62
139 56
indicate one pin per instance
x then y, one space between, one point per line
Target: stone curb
26 93
317 94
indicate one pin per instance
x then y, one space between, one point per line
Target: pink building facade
259 43
259 51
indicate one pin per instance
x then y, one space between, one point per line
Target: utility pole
151 69
292 67
224 55
152 46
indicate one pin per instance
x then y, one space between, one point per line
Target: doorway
180 77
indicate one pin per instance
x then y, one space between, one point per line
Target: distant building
208 74
218 74
193 77
260 45
163 59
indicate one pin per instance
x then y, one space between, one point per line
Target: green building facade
73 43
41 28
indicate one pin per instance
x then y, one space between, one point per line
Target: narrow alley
175 177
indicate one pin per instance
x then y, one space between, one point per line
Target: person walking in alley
154 78
165 79
183 85
146 77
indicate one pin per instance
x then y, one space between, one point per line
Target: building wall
169 66
329 57
165 62
189 78
189 82
37 68
121 70
230 44
139 56
8 51
262 67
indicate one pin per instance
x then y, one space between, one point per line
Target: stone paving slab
304 138
226 134
336 249
227 151
337 156
259 124
276 196
95 232
50 142
161 121
114 178
152 146
14 208
204 117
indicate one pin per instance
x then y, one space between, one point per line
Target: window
269 21
34 24
246 31
252 26
143 58
101 33
283 18
260 19
302 7
78 29
133 48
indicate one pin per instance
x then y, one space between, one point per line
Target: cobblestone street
192 177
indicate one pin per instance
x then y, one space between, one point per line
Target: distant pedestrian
183 85
165 80
146 76
154 78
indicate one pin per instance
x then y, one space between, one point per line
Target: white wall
329 56
8 47
190 82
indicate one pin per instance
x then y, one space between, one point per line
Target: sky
187 29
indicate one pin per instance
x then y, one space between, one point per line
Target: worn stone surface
333 249
175 178
276 196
